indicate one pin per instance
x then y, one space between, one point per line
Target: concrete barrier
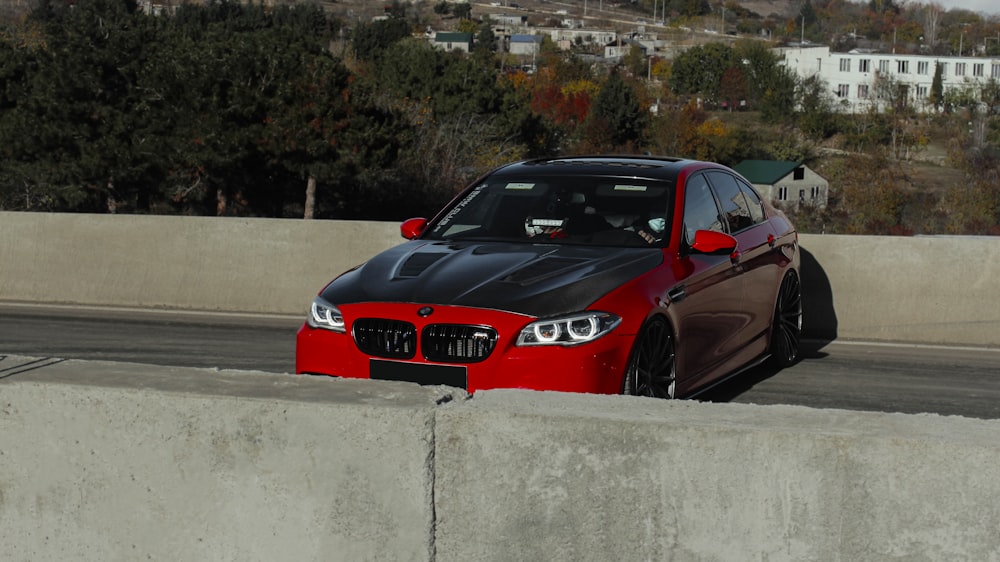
923 290
269 266
110 461
105 461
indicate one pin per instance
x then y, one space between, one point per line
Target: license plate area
420 373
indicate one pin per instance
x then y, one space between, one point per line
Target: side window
753 202
734 205
700 210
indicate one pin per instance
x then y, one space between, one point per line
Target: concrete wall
110 461
929 290
105 461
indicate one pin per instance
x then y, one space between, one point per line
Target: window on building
903 66
923 67
921 92
845 65
883 66
814 193
799 174
864 65
959 69
996 70
978 69
782 194
863 91
843 90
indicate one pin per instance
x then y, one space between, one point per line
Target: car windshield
563 210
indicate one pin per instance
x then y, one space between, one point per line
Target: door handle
677 294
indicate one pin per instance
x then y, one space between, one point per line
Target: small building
453 41
525 44
785 183
619 48
507 20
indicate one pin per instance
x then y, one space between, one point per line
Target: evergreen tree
616 115
936 96
699 70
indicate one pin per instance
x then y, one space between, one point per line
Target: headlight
325 316
569 330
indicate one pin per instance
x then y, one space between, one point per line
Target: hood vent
418 263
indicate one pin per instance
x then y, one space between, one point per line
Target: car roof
653 167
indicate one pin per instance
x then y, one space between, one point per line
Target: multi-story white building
853 77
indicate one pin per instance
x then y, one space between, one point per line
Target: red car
636 275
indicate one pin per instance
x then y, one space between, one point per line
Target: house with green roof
453 41
785 183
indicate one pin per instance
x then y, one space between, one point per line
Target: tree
449 81
307 124
442 8
815 116
485 44
733 87
371 39
874 200
936 96
699 70
463 10
616 120
78 131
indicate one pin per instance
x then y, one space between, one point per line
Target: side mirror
412 228
713 242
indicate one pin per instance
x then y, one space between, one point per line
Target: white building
522 44
852 77
785 183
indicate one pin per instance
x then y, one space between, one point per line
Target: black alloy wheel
651 367
786 332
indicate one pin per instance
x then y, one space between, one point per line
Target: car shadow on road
729 390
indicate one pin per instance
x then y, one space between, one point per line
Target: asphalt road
847 375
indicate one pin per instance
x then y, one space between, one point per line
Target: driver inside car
567 214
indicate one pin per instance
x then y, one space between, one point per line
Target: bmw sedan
638 275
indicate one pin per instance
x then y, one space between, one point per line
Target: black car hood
534 279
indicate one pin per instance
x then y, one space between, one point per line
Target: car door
745 221
708 295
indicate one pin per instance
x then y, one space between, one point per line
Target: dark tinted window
700 209
735 209
568 209
753 202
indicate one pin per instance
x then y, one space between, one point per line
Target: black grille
456 343
385 338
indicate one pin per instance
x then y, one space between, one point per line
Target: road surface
847 375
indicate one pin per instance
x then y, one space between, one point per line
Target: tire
652 366
786 328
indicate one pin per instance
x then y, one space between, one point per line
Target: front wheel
786 331
651 369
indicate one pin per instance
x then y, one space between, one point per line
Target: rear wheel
651 367
786 331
